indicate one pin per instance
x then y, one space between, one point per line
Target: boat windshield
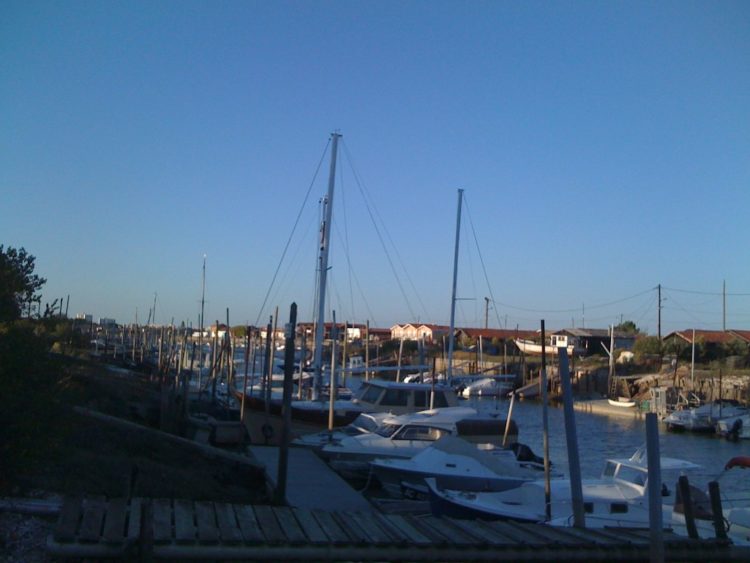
425 433
387 430
365 423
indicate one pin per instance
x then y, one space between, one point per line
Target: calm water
601 437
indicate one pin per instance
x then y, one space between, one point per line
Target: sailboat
317 413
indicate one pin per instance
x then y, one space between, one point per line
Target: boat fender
742 461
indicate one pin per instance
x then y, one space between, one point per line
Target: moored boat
404 436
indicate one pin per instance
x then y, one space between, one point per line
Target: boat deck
95 527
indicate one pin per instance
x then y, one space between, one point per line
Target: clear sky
604 148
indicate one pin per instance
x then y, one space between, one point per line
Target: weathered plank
436 538
520 533
289 525
93 517
114 521
249 528
228 529
373 532
446 533
134 519
310 526
492 535
331 528
471 531
350 527
269 525
162 520
206 520
67 523
184 521
401 526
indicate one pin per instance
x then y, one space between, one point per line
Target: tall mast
325 237
200 334
451 337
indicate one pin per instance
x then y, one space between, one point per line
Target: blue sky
604 148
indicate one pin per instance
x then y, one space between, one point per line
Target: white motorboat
704 417
365 423
457 464
555 342
617 498
490 386
406 435
734 427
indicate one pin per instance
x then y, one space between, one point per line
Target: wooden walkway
311 483
95 527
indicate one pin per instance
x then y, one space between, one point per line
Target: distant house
707 337
412 331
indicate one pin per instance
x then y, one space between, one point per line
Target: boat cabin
398 398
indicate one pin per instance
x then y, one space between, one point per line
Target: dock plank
356 534
67 523
93 518
331 528
370 526
448 533
423 524
310 526
161 509
269 525
397 535
289 524
494 536
114 521
228 529
249 528
517 532
414 534
205 518
184 521
135 514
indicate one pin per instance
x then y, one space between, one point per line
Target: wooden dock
178 529
311 483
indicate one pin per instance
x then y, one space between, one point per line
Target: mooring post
687 505
716 510
507 422
653 458
571 439
286 413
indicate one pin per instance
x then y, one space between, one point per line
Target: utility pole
486 312
658 308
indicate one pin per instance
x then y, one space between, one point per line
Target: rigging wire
714 293
289 240
369 207
576 309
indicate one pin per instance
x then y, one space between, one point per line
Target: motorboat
365 423
489 386
622 402
617 498
403 436
734 427
459 465
378 395
704 417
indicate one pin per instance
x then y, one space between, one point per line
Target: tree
18 283
627 326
